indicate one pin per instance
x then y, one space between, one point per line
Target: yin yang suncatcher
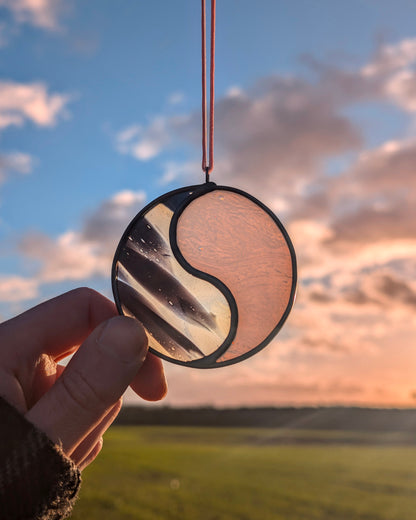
209 271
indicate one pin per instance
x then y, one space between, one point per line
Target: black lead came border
195 192
210 360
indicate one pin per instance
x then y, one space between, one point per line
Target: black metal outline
199 190
206 361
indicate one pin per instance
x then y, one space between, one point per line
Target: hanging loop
208 136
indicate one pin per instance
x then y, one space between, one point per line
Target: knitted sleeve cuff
37 480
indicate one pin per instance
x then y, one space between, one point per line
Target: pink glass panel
227 235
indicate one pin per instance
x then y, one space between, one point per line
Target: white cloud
40 13
146 149
21 102
173 171
392 57
87 252
176 98
17 288
281 129
126 198
284 128
67 257
402 89
354 233
75 255
15 162
375 199
143 144
234 92
393 68
124 137
105 225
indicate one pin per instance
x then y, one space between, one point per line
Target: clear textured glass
186 318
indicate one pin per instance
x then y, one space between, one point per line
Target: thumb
94 380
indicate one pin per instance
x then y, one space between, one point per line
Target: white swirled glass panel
186 318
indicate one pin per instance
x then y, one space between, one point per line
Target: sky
315 116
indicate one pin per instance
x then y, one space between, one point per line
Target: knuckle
92 455
81 394
84 293
96 306
117 406
96 450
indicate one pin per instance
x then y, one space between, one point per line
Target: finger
59 370
63 355
150 382
92 455
57 325
92 383
43 379
89 444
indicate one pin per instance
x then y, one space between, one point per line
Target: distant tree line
319 418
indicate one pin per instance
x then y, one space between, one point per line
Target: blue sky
99 108
120 62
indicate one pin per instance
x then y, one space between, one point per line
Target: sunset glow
100 113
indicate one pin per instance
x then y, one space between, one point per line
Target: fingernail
123 338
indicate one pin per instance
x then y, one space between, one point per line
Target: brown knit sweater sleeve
37 480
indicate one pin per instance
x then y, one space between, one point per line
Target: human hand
75 405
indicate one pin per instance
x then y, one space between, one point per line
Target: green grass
169 473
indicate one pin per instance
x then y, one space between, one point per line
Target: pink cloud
40 13
17 288
29 102
87 252
350 337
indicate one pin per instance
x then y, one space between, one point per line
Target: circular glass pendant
209 271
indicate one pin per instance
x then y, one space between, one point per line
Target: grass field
158 473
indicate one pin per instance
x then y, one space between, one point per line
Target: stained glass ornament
209 271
